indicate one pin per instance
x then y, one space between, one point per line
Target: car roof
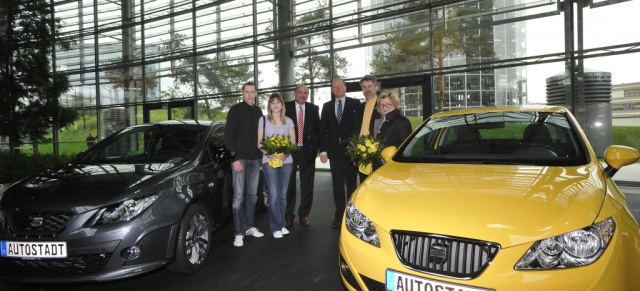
182 122
493 109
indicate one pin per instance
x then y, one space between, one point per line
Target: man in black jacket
241 137
338 123
306 119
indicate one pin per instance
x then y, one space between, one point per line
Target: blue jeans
277 180
245 187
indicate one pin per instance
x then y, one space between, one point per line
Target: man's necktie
339 115
300 125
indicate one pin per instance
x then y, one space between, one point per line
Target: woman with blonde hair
392 127
277 178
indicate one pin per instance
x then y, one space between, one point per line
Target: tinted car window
501 138
148 144
218 137
215 145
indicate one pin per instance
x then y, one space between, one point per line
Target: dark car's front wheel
194 240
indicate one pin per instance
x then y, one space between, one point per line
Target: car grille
446 256
34 223
71 267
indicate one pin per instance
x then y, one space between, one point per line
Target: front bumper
363 267
96 257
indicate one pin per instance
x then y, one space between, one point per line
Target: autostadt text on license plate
397 281
22 249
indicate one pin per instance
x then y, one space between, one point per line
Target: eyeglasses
386 105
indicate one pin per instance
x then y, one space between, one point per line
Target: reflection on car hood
79 187
506 204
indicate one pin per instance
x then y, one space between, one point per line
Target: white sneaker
277 234
285 231
254 232
237 242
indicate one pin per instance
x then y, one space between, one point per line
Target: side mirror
388 152
617 157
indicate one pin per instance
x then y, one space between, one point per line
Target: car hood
506 204
80 188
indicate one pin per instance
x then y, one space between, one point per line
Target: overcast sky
603 26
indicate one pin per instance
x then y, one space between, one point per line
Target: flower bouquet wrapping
278 145
364 150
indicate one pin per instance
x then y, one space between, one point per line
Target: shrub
14 167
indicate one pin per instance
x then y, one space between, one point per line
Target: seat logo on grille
37 221
438 253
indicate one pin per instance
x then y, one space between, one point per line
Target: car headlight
361 226
123 211
577 248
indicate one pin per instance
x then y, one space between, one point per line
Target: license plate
21 249
397 281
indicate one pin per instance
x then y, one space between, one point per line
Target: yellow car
495 198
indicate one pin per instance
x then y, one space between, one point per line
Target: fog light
344 268
131 253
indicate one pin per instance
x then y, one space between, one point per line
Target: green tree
79 100
119 76
476 43
31 91
409 49
314 66
221 75
216 74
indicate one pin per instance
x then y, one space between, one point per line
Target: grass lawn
626 135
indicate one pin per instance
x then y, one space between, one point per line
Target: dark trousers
343 172
307 175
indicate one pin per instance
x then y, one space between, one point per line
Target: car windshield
148 144
531 138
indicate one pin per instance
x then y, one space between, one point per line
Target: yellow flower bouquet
278 145
364 150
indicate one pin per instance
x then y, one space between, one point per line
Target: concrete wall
626 121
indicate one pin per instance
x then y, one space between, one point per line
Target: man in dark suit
338 123
306 118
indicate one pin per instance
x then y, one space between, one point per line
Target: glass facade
140 61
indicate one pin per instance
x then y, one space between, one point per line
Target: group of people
342 117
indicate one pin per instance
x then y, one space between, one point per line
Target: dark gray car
146 197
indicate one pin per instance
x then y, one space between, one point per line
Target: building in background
625 104
487 39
